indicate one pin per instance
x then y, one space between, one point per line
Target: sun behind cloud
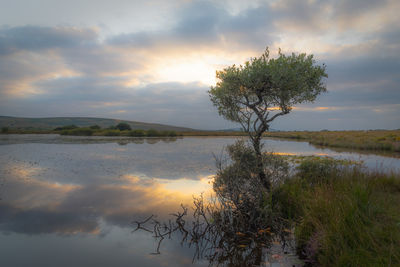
185 70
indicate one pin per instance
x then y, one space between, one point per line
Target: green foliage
265 85
318 169
238 181
67 127
122 126
153 133
344 216
4 130
111 132
170 133
137 133
95 127
241 192
256 93
78 131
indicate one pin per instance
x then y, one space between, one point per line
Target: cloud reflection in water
34 206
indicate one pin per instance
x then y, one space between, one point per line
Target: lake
70 201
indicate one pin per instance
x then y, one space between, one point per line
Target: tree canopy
264 88
122 126
255 93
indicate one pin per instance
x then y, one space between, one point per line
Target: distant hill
51 123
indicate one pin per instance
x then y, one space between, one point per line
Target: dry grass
388 140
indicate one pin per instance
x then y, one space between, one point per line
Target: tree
264 88
122 126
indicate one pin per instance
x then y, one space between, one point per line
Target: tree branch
276 115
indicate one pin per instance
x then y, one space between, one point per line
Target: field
388 140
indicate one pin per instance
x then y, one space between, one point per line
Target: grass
387 140
343 215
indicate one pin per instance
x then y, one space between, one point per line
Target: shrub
111 132
78 131
95 127
167 133
152 133
238 181
137 133
67 127
122 126
172 133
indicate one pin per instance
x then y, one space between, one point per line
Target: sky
154 61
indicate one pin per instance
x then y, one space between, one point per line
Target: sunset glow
133 54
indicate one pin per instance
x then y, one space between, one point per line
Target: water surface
69 201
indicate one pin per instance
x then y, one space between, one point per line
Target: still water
70 201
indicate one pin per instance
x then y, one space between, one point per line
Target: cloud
326 17
162 74
34 38
36 206
204 24
180 103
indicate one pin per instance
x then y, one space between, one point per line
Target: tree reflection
220 233
237 225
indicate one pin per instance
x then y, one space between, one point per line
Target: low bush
67 127
152 133
122 126
95 127
137 133
110 132
78 131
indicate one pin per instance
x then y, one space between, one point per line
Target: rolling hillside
51 123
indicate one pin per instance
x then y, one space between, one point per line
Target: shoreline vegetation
375 140
383 140
121 129
370 140
338 213
342 215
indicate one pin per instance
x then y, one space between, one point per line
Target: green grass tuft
343 216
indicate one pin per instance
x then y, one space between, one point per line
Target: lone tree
264 88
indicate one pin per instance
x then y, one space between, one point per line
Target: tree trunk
256 140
